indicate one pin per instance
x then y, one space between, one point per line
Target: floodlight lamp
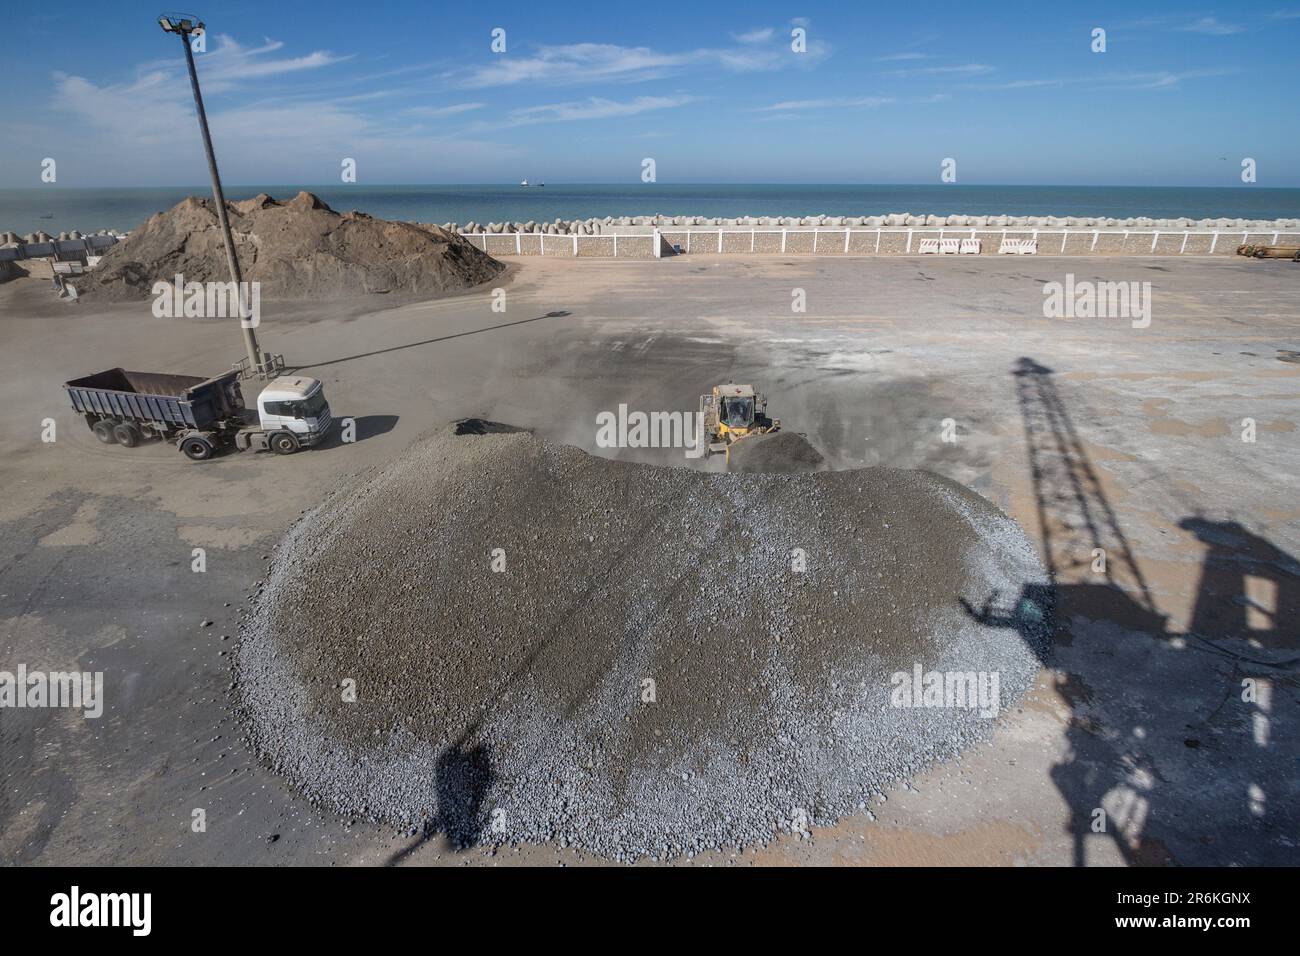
182 23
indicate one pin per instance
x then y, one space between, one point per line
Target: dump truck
733 412
201 415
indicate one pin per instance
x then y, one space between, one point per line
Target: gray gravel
780 453
503 707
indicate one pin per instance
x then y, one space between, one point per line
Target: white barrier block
1009 247
970 247
1028 247
950 246
929 247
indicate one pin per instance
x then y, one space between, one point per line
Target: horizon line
514 185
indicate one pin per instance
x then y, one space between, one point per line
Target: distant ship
526 183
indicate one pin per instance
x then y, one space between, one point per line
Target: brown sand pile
299 249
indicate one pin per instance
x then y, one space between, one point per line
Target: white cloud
231 61
1159 79
593 63
438 112
866 102
1212 27
899 57
1013 85
965 69
145 113
592 108
1179 23
230 64
761 35
576 63
144 130
1151 80
144 127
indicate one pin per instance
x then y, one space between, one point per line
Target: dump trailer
200 415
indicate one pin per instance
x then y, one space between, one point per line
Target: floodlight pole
255 364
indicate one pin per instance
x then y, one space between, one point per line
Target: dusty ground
1093 434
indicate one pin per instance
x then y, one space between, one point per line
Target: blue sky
713 92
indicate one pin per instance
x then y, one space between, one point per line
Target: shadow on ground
1182 745
441 338
465 776
364 426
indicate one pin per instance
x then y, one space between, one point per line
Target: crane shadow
1181 743
441 338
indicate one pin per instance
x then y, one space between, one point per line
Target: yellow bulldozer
733 412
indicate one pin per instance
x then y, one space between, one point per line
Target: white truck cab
292 413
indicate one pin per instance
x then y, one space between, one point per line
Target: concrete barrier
561 245
884 241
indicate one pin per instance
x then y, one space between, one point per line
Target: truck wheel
284 443
126 434
197 448
103 430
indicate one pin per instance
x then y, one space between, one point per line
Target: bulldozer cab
735 405
733 412
737 411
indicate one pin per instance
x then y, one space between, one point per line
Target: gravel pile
781 453
651 674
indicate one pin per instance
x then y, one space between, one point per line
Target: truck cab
296 404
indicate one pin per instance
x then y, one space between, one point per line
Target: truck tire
103 430
126 434
197 448
284 443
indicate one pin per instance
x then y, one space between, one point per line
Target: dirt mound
783 453
506 639
299 249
